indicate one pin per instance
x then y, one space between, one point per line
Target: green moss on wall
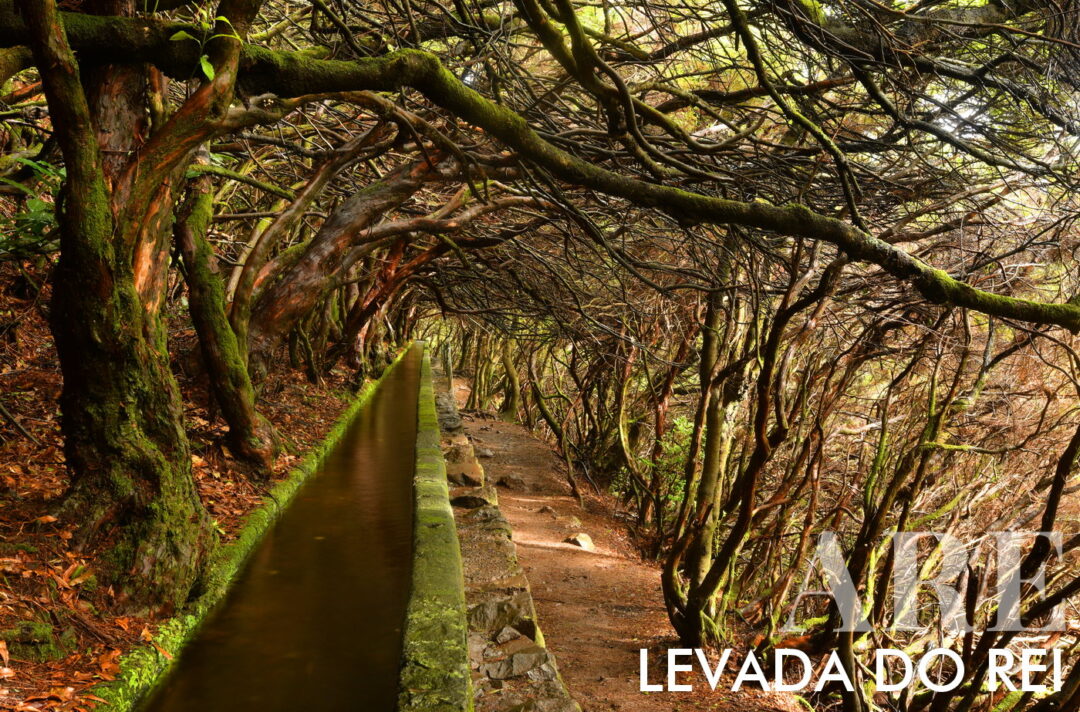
435 655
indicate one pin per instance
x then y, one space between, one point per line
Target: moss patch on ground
39 641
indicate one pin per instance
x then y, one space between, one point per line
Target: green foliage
206 23
32 230
669 467
675 448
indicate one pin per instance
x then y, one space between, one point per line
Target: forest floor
50 605
596 609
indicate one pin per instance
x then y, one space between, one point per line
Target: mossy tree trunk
12 61
251 437
463 357
700 553
481 366
353 340
719 375
289 219
121 407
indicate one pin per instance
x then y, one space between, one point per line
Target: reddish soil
596 609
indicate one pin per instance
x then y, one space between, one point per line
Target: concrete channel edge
435 659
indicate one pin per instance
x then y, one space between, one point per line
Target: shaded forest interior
757 270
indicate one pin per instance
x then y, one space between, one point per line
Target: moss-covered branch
289 74
251 437
424 72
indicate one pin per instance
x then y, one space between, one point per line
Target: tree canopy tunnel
760 269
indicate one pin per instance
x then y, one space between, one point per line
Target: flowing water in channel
314 620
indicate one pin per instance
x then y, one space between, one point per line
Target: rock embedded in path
460 450
545 671
546 510
473 497
477 644
485 514
555 700
485 453
512 482
512 611
446 412
507 634
581 539
519 663
469 501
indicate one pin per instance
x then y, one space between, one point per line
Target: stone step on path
512 669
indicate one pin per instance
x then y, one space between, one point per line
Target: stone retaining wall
511 669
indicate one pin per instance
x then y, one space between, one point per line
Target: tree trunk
463 359
121 408
512 392
303 284
699 557
251 437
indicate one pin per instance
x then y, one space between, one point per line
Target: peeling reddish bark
303 285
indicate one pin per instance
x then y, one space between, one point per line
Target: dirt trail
596 609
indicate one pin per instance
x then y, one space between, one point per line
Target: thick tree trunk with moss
251 437
122 415
121 408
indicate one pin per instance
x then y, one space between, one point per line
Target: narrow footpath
597 608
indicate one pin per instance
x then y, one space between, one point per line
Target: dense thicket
764 269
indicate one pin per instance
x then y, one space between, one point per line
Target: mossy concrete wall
146 666
435 657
